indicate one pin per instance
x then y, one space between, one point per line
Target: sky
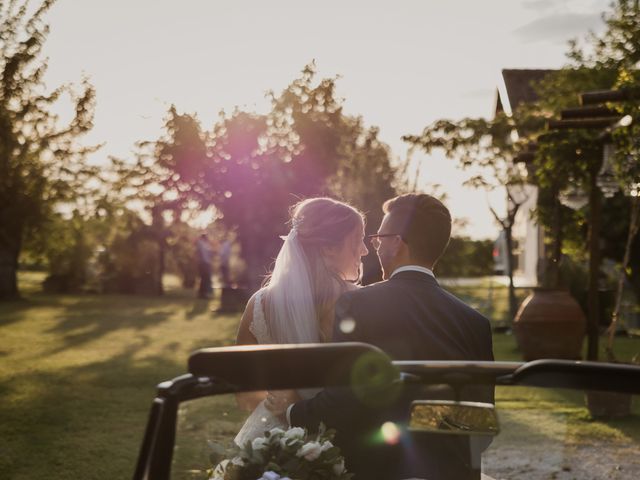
402 65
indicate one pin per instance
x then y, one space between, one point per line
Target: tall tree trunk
159 233
513 306
161 266
10 245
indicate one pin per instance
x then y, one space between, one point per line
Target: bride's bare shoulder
244 335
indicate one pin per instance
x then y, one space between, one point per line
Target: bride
319 260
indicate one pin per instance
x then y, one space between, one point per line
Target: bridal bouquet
285 455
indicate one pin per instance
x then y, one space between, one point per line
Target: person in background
225 256
204 253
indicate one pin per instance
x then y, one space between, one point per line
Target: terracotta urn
550 324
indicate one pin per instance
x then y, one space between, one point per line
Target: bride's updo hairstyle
324 223
302 283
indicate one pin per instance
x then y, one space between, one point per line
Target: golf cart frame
217 371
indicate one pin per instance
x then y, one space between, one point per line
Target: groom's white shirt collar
404 268
412 268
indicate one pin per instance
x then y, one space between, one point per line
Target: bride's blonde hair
319 224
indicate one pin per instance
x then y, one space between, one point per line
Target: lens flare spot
228 194
263 419
348 325
390 433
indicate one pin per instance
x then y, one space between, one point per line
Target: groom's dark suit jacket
410 317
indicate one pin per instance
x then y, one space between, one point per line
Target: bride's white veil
292 310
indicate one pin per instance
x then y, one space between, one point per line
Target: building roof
517 88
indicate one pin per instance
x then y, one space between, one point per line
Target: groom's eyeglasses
375 238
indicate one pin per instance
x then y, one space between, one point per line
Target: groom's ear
402 251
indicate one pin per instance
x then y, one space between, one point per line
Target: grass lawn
78 374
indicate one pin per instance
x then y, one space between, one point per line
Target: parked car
500 254
539 426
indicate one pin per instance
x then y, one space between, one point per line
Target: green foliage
484 144
68 253
563 157
366 179
168 181
466 258
252 168
40 163
474 142
573 157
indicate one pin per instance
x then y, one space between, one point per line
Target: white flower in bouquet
310 451
283 455
338 468
272 476
292 437
295 433
259 443
326 445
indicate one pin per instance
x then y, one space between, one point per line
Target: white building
514 89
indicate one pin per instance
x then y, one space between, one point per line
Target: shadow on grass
90 318
13 311
84 422
80 319
200 306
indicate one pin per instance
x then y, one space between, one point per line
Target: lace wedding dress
262 419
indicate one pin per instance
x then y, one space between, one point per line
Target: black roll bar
215 371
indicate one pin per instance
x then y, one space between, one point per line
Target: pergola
595 116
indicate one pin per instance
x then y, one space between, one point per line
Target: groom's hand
278 402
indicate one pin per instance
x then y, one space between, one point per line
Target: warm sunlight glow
439 75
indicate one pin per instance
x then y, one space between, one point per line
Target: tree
484 144
575 156
251 186
366 179
251 168
168 180
40 162
304 146
465 257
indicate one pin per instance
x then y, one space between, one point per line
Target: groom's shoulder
367 292
360 298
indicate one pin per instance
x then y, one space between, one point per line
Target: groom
410 317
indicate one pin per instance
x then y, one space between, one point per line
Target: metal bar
150 433
587 112
161 455
600 96
579 375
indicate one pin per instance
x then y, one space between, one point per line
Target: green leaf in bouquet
331 455
292 465
217 452
273 466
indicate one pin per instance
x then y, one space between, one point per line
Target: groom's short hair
424 223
